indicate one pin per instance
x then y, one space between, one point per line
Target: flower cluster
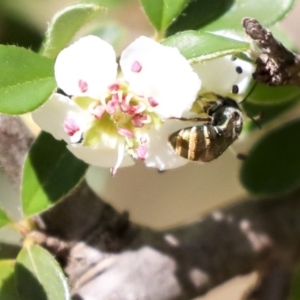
108 118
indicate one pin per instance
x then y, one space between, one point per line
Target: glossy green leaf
65 24
8 289
272 165
50 172
26 80
267 95
267 12
199 13
264 113
227 15
4 218
161 13
38 275
295 290
198 46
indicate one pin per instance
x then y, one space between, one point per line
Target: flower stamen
152 102
126 132
121 150
70 126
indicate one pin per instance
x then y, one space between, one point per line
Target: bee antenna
249 93
254 121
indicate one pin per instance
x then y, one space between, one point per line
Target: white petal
165 75
160 153
99 156
51 116
89 60
219 75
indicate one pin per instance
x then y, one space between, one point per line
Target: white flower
109 119
221 74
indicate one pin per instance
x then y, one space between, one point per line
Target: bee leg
208 119
241 156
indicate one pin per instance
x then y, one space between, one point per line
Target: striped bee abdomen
194 143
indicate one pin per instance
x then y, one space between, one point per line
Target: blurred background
159 200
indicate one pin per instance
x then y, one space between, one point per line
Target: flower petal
162 73
52 114
87 67
100 156
160 153
220 74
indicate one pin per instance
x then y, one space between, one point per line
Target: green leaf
264 112
162 12
272 166
26 80
4 218
38 275
267 95
8 251
267 12
8 290
198 13
198 46
227 15
50 172
65 24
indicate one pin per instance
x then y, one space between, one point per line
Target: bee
207 142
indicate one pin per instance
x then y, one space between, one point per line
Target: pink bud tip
83 86
136 67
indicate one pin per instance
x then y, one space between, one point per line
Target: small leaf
26 80
50 172
38 275
161 13
4 218
272 166
227 15
65 24
198 46
8 289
